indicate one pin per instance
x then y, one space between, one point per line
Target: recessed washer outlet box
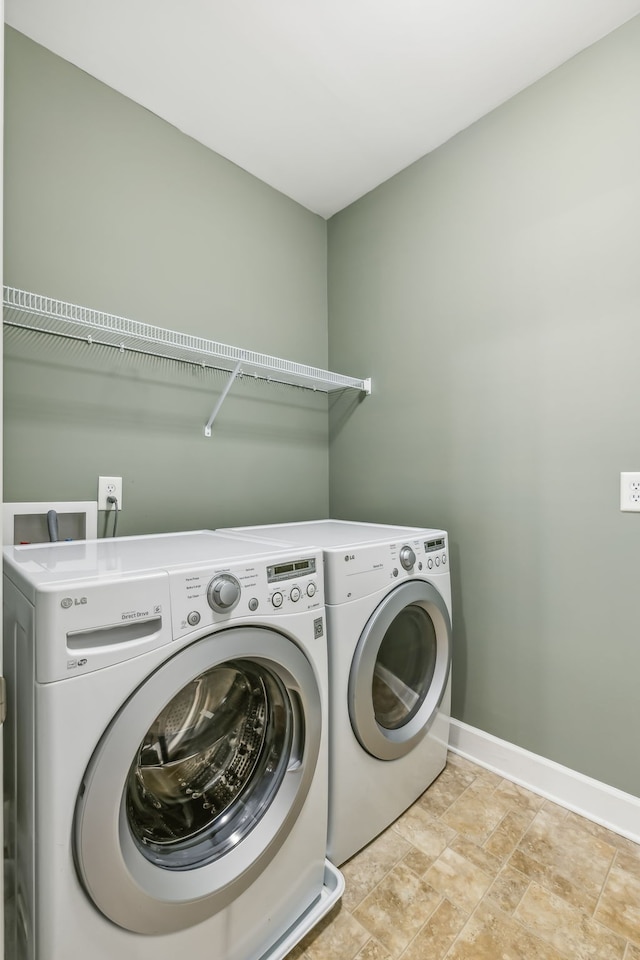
27 522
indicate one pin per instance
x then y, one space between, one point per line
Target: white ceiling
321 99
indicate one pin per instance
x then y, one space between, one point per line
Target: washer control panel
206 595
436 554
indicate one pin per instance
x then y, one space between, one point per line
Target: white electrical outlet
110 487
630 491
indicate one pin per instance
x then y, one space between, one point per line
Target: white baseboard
612 808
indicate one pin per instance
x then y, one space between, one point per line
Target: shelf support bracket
222 398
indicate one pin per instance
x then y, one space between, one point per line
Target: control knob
407 557
223 593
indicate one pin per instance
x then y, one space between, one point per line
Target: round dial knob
223 593
407 557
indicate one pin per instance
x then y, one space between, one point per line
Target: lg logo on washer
74 664
67 602
350 556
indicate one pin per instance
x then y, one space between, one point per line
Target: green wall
108 206
492 291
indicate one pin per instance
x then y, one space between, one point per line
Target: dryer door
400 670
198 779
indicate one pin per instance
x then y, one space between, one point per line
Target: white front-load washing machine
166 748
388 603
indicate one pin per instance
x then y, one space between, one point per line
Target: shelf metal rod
90 340
57 318
222 398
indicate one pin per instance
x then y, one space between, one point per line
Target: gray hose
52 525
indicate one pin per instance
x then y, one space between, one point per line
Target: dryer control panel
366 568
213 594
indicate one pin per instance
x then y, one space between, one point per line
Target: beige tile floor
480 869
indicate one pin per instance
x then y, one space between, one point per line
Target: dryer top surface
334 534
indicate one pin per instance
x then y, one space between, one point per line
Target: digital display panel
292 568
431 545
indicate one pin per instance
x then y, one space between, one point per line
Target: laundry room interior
490 291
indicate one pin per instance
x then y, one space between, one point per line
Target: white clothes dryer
388 603
166 748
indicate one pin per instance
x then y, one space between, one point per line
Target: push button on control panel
253 604
295 594
311 589
277 599
194 618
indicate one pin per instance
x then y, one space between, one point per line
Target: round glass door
198 780
209 765
404 667
400 670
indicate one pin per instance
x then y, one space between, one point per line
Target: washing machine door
400 670
198 779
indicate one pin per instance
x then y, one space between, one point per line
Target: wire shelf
33 311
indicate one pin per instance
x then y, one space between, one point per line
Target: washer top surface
334 534
102 602
51 563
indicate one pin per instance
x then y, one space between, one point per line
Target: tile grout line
450 902
462 929
392 867
507 865
627 940
604 883
486 840
536 934
418 932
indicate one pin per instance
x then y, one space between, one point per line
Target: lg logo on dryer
67 602
349 556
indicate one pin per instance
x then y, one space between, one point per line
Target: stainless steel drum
209 762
